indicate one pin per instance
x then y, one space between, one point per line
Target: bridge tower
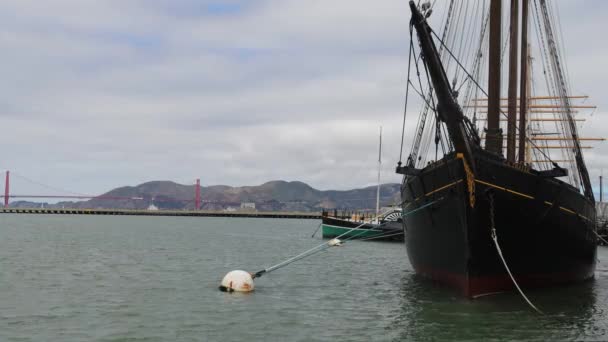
197 201
6 188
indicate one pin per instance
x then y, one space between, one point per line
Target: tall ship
495 183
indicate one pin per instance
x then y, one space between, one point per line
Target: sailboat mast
601 188
379 168
523 85
494 133
512 113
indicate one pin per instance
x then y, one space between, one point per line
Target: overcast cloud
100 94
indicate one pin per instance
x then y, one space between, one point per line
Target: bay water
119 278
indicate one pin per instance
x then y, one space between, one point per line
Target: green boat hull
331 232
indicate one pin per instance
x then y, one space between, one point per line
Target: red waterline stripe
473 286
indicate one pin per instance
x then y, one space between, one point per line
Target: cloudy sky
99 94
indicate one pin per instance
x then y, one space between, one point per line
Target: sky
100 94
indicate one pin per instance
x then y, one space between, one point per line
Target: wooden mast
513 64
494 133
523 85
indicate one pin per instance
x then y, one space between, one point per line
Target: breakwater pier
142 212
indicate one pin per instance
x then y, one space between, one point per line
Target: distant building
248 205
152 207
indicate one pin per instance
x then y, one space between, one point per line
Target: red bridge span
7 195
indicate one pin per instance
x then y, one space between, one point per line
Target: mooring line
316 249
357 234
381 236
402 216
331 243
504 262
316 230
601 238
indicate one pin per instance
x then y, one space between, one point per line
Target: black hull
545 227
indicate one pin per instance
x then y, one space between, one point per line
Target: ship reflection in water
575 312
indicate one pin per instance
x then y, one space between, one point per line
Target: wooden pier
140 212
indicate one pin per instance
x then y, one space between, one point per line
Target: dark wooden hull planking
545 227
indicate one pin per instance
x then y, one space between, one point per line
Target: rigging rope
486 94
416 158
459 16
465 54
550 85
419 135
562 87
407 91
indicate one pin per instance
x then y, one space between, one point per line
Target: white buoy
237 281
334 242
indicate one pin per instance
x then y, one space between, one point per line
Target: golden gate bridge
182 212
7 195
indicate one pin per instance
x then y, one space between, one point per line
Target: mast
601 189
379 168
524 79
494 133
528 97
512 113
448 109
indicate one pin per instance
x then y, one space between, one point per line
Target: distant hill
270 196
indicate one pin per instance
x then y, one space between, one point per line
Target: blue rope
421 207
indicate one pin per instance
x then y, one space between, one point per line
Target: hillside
270 196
